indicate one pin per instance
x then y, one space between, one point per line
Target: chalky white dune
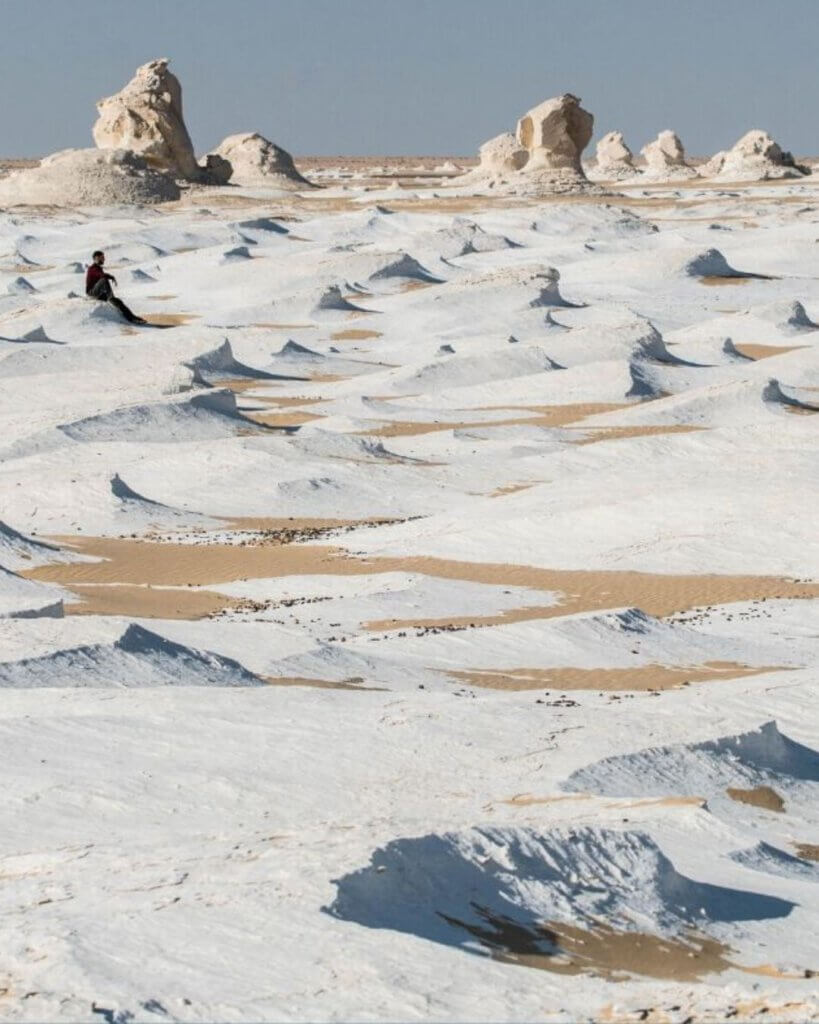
416 620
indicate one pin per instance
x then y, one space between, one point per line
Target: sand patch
286 402
761 796
539 416
294 418
621 433
124 560
638 679
807 851
601 951
323 684
355 334
528 800
170 319
145 602
162 298
500 492
765 351
715 280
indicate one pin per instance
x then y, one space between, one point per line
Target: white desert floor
577 777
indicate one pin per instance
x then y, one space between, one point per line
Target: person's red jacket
92 275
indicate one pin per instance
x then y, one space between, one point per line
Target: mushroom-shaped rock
89 177
555 133
755 157
146 117
258 161
665 158
614 158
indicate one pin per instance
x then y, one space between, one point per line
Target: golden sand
293 418
761 796
595 435
528 800
715 280
808 851
501 492
144 562
287 402
638 679
539 416
601 951
146 602
766 351
322 684
355 334
170 319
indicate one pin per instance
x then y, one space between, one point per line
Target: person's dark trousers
104 293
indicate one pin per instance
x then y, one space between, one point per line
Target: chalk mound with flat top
512 888
89 177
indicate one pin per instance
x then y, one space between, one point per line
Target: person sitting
98 286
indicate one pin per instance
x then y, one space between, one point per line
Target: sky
416 77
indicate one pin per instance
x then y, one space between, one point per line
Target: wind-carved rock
755 157
145 117
502 155
665 158
614 158
555 133
258 161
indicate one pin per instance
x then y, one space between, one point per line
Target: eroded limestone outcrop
614 159
145 117
258 161
665 159
755 157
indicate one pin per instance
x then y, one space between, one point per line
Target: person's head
98 257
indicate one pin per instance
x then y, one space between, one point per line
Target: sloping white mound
773 861
88 177
26 599
327 444
789 316
507 886
462 238
139 658
202 417
764 757
18 551
220 364
462 371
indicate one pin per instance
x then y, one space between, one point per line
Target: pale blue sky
416 76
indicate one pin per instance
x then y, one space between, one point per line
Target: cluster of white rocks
755 157
144 151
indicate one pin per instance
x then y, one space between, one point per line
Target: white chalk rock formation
502 155
500 160
555 133
665 159
146 117
543 157
614 159
88 177
257 161
755 157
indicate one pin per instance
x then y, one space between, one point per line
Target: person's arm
110 277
